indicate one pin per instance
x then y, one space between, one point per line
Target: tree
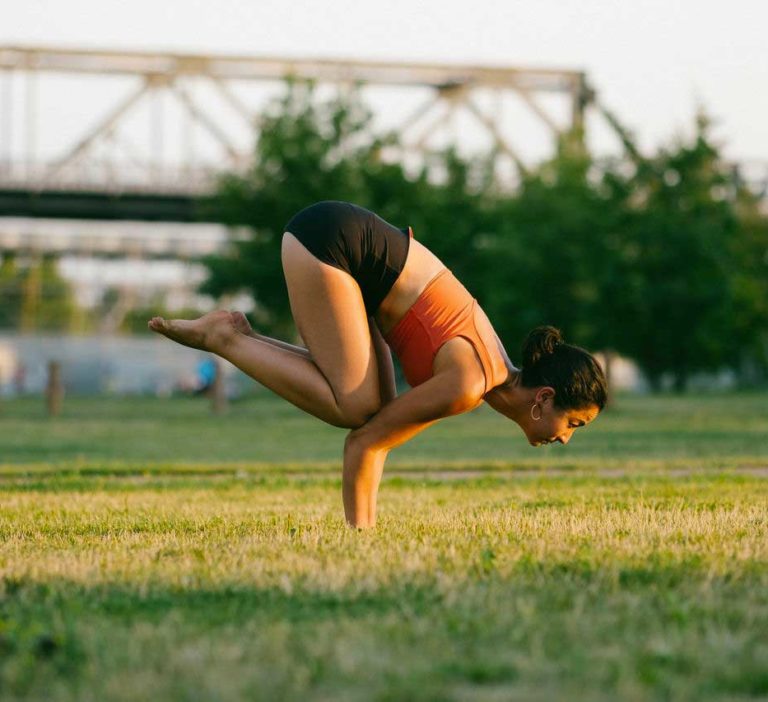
10 292
309 151
663 262
673 297
749 289
547 257
35 296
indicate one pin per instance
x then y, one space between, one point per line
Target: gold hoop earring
533 407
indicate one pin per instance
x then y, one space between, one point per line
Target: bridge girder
177 241
453 89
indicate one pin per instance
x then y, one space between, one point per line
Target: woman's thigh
330 316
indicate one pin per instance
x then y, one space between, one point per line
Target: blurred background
599 167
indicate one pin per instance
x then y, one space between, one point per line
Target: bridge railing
106 176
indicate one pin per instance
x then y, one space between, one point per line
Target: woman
357 287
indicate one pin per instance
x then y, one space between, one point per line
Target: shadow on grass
659 624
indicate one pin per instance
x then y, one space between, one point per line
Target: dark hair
577 378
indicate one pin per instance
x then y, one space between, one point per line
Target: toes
157 324
240 322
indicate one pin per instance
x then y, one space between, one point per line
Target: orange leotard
444 309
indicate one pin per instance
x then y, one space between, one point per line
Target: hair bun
542 341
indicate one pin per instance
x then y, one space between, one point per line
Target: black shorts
355 240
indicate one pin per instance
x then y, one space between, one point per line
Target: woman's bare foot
242 324
211 332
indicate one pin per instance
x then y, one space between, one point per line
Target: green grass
688 431
151 552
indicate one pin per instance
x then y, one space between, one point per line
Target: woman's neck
510 398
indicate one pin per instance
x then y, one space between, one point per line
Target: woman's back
421 266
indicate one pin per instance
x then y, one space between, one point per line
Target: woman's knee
357 410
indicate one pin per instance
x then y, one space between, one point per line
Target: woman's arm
366 448
384 363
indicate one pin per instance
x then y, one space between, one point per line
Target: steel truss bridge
140 136
144 134
204 87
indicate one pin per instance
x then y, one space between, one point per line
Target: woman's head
573 373
567 387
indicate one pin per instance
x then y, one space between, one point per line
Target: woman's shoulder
459 359
497 364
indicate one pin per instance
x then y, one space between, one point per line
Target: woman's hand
361 475
366 448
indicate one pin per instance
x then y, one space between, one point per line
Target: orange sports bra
444 309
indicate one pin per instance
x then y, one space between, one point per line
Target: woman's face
555 424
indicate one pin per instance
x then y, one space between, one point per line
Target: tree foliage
307 151
34 296
310 150
664 262
546 258
681 250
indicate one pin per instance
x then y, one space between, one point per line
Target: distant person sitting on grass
357 286
206 375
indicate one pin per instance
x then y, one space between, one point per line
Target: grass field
151 552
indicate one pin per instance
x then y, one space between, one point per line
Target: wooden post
218 390
54 390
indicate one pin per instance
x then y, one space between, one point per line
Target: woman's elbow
466 396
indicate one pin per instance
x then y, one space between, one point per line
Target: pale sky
651 61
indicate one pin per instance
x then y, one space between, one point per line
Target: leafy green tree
452 211
660 263
749 289
34 296
307 151
674 294
59 309
10 292
547 256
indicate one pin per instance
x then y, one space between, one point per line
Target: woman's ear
545 393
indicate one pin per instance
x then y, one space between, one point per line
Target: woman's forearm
366 448
361 475
384 364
